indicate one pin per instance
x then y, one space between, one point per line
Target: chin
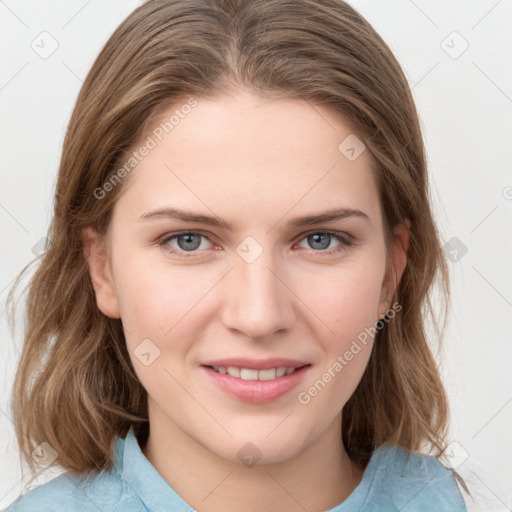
250 450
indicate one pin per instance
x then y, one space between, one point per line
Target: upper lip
256 364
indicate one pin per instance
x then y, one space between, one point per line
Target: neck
316 479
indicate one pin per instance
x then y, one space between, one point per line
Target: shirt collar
136 470
156 494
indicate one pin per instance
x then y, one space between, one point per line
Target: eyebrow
308 220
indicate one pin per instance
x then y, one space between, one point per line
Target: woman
230 310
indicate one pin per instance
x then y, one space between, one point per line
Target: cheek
154 298
346 299
156 309
349 309
163 313
141 301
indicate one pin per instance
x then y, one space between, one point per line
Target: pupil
317 239
188 245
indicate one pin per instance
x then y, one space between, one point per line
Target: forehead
244 153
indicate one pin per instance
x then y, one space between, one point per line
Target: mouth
257 382
253 374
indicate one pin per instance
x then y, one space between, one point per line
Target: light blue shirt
392 482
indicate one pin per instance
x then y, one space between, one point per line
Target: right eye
186 242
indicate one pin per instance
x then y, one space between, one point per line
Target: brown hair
75 387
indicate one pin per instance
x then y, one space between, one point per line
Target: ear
100 272
395 267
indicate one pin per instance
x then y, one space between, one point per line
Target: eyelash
340 236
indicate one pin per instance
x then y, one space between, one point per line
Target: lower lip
257 391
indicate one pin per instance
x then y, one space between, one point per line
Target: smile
256 385
251 374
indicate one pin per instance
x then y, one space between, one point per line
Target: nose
258 301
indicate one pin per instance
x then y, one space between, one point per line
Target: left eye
190 242
323 239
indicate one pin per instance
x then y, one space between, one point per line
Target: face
248 285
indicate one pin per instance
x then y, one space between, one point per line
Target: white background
465 106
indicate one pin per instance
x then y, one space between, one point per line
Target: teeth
280 371
246 374
234 372
250 374
267 374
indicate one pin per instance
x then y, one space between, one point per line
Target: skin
257 164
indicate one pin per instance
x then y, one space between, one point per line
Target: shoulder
70 493
411 481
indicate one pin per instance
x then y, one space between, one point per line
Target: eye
321 240
187 242
191 241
